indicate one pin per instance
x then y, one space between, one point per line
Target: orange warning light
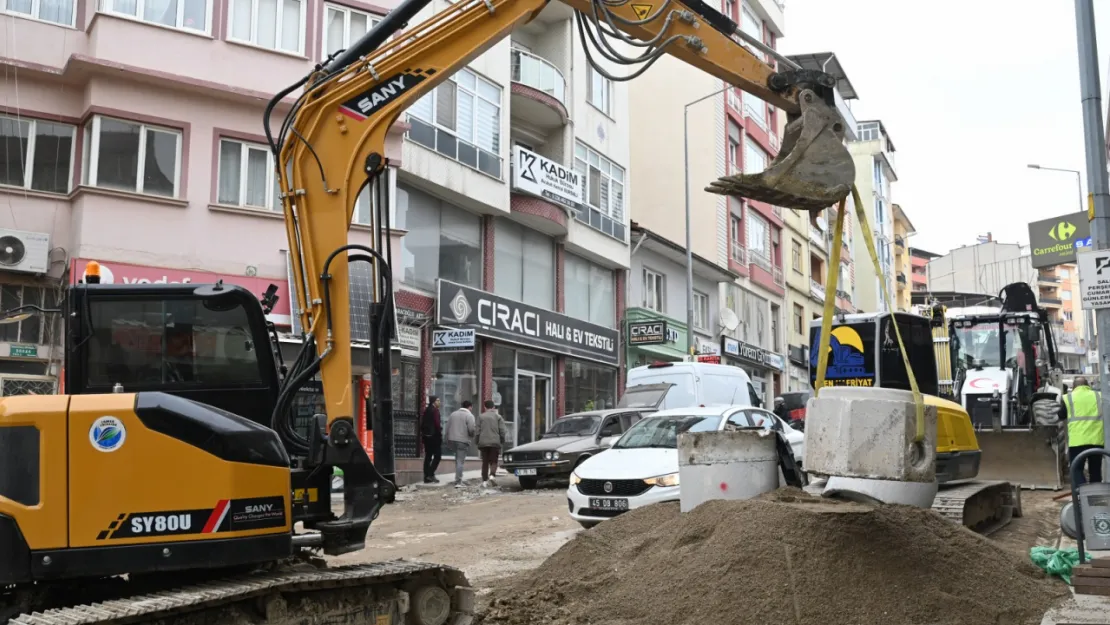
92 272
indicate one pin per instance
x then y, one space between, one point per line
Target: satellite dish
822 224
728 319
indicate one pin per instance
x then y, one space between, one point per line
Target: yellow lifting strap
830 302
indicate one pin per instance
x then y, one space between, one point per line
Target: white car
641 467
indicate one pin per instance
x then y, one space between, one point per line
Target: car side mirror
613 441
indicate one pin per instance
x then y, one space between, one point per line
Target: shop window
442 241
588 291
37 329
589 387
524 264
522 392
406 386
455 380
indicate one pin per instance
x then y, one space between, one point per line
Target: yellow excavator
184 491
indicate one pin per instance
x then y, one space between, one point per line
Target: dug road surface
486 532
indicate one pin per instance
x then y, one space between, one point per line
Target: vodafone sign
121 273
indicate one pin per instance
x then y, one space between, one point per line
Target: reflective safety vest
1084 417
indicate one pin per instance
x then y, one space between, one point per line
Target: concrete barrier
738 464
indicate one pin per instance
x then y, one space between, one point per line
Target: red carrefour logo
987 383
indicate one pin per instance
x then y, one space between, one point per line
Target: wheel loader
864 352
176 488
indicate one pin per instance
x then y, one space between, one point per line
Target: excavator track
382 593
980 505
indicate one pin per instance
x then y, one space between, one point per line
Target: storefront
650 338
798 366
760 364
533 354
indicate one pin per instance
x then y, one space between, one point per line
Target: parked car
574 438
791 407
698 384
641 468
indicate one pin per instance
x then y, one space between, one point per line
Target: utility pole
1098 185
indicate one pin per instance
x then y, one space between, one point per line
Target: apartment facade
1058 293
903 264
873 153
919 276
154 165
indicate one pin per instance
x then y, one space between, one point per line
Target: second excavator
183 492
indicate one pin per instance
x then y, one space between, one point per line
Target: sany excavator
184 492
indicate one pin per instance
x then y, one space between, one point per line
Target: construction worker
1082 408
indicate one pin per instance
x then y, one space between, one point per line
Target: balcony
539 91
899 242
844 295
1051 302
1048 278
779 278
900 278
817 290
817 238
739 254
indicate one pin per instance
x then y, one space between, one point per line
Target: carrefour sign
1055 241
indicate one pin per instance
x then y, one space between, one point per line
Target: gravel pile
786 557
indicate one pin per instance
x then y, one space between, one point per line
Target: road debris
784 557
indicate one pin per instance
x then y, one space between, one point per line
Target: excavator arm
332 144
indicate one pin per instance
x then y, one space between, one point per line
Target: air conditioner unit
24 252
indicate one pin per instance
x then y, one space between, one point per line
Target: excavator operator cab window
170 343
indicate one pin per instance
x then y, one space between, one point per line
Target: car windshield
663 431
980 341
574 426
643 396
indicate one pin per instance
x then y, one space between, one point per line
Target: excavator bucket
812 171
1032 458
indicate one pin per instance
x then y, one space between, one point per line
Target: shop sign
776 361
409 340
713 359
23 351
744 351
453 340
545 178
500 318
707 347
122 273
647 333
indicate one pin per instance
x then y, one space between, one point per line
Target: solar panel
360 295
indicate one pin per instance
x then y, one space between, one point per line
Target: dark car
791 407
578 436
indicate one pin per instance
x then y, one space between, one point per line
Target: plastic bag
1056 562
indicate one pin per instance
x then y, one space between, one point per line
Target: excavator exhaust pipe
812 171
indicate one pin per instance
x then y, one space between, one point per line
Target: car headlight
547 455
554 455
508 457
574 479
671 479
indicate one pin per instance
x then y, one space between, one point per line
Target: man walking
1083 411
460 429
491 433
432 433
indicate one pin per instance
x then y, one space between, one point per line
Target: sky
971 92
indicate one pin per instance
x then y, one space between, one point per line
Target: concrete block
860 432
726 465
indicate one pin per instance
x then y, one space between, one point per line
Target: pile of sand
785 557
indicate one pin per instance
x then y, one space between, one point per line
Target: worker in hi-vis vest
1082 408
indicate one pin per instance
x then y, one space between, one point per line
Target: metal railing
779 278
537 73
739 254
761 260
844 295
817 290
1049 279
1052 300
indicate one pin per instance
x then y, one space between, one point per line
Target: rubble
784 557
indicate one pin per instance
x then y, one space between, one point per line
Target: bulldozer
170 483
1000 364
864 353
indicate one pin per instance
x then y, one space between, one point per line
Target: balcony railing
761 260
817 290
816 237
779 278
1052 301
739 254
535 72
1048 278
844 295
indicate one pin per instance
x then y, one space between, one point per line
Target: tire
529 483
588 524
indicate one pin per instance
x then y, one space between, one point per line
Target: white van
697 384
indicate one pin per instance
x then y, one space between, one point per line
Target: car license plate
609 504
525 471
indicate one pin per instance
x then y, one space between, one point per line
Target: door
539 405
525 395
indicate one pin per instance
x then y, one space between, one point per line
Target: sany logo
108 277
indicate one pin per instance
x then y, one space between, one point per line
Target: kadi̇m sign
1055 241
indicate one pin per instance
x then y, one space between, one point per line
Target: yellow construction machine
140 481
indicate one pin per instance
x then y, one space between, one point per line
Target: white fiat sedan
641 467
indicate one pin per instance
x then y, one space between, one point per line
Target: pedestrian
432 433
491 434
460 429
1082 408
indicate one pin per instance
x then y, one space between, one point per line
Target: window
729 9
701 311
589 387
272 24
776 344
1064 274
588 291
758 239
442 241
878 175
186 14
144 344
344 26
247 177
37 329
799 320
461 119
796 256
880 212
756 108
736 232
524 264
129 156
655 297
1065 295
755 159
455 380
56 11
603 186
600 90
868 132
752 25
733 148
36 154
1068 315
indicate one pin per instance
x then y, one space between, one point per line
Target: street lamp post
690 349
1088 315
